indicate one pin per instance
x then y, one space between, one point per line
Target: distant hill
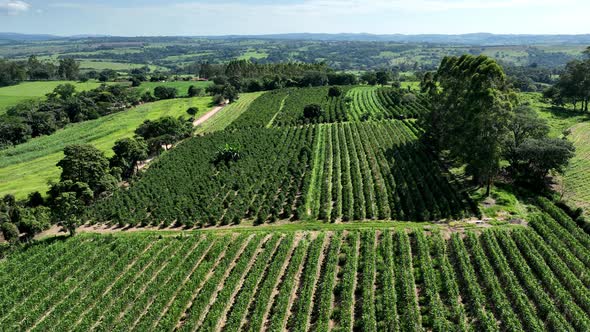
483 39
467 39
26 37
11 36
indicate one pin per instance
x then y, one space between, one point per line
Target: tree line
573 86
13 72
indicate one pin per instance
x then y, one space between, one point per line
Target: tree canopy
87 164
471 112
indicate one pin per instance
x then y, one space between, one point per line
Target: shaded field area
28 167
533 279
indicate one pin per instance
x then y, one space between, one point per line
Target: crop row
377 170
262 110
343 171
366 280
188 187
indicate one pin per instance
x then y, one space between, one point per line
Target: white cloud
332 7
14 7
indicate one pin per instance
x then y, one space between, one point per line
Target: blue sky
221 17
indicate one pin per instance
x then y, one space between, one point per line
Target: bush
10 232
164 92
313 111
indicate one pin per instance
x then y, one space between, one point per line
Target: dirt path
207 115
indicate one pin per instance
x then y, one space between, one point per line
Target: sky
244 17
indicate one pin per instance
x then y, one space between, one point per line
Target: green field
386 278
181 86
576 181
12 95
27 167
122 66
253 54
559 119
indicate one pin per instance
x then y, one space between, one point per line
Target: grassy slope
28 167
181 86
559 119
229 114
576 180
577 176
12 95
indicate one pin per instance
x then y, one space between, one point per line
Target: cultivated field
336 170
525 279
28 167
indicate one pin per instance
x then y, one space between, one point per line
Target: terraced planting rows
520 279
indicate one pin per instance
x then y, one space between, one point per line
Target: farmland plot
524 279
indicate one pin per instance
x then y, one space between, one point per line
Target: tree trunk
489 187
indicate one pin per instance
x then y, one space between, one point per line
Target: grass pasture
181 86
14 94
27 167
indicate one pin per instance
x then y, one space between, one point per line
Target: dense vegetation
524 279
368 171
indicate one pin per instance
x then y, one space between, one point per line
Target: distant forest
340 52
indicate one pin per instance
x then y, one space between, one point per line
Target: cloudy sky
221 17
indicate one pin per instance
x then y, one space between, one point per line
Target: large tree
68 69
573 85
87 164
128 152
470 116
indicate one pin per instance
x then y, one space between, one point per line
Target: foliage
163 132
470 114
86 164
128 152
164 92
9 231
63 106
28 167
312 111
335 91
537 157
573 85
228 153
